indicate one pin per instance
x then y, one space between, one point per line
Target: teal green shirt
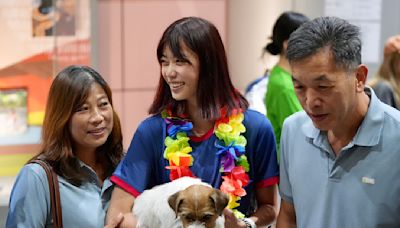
280 100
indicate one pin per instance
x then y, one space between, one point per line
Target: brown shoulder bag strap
54 192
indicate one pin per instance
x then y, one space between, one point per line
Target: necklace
230 146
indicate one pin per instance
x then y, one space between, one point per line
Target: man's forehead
314 78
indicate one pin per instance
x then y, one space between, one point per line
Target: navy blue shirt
144 165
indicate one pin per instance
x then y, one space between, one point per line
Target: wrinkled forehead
319 67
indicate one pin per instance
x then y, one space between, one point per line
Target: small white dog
184 202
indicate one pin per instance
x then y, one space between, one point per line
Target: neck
90 159
200 125
284 63
87 156
342 136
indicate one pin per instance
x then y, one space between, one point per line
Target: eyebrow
321 78
102 97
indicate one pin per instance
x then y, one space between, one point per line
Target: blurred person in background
386 82
280 98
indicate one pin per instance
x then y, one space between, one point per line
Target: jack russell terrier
185 202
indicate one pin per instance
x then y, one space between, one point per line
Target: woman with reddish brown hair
82 142
200 126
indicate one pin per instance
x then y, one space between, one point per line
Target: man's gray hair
341 37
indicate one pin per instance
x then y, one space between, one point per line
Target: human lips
97 131
176 85
317 117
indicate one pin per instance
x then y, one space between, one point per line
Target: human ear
361 77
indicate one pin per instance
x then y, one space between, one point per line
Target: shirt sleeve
137 171
30 199
285 188
266 170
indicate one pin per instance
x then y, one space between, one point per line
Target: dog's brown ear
174 201
220 200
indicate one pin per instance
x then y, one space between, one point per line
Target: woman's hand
114 222
231 221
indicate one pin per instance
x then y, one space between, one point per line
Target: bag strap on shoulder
54 192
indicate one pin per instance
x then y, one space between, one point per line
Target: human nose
96 116
170 70
312 99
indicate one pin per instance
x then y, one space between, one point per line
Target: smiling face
181 74
327 93
92 123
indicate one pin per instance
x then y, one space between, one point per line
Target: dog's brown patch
198 203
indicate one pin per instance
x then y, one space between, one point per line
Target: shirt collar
369 132
93 176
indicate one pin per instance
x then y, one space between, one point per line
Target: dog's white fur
152 210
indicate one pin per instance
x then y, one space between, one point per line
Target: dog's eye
190 218
205 218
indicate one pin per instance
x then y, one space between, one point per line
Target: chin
323 126
177 98
99 142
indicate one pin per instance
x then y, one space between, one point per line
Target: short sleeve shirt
144 165
357 188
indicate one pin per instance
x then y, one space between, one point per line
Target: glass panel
39 37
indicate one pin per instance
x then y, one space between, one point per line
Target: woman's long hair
215 89
387 72
68 92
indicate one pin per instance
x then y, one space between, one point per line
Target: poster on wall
39 38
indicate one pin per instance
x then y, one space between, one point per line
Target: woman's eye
181 61
163 62
81 109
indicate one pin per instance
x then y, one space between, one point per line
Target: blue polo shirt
83 206
144 165
360 188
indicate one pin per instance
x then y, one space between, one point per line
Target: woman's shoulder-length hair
69 90
215 89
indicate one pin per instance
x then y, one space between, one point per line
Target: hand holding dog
115 222
122 221
231 221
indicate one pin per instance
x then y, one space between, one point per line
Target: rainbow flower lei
230 146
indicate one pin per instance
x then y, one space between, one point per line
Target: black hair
284 26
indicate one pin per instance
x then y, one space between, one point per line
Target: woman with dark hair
200 126
280 99
82 142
